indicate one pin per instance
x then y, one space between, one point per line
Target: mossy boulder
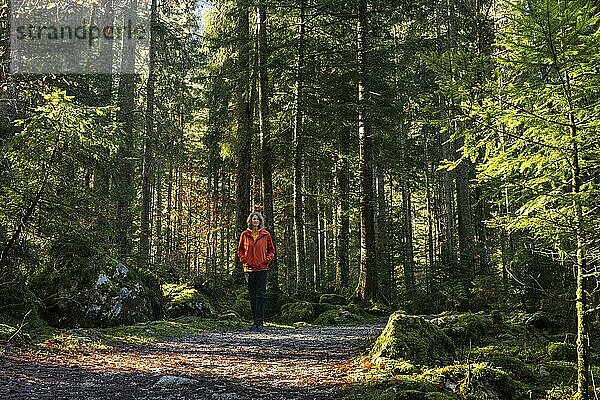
241 305
543 321
83 286
409 387
337 316
297 312
476 381
557 372
412 338
274 301
396 367
464 328
185 300
559 351
332 298
416 395
514 366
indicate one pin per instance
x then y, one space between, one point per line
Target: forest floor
283 363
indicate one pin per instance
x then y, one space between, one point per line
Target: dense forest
425 155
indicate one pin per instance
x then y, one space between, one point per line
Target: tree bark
125 117
383 241
244 123
367 283
265 138
343 233
583 346
298 156
409 257
465 221
311 229
148 164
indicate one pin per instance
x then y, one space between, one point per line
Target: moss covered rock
332 298
241 305
559 351
476 381
515 367
301 311
464 328
409 387
85 287
337 316
186 300
542 321
274 301
414 339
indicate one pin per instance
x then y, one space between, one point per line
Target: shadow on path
303 363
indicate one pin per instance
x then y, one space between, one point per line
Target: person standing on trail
255 251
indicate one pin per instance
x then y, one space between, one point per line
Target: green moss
242 308
502 358
185 300
179 293
559 351
274 301
392 388
296 312
337 317
476 381
395 367
412 338
439 396
557 373
464 328
332 298
561 393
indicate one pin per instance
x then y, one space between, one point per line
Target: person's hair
259 215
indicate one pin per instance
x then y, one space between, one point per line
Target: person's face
255 221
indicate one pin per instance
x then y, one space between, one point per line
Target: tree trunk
244 123
447 220
367 284
125 117
148 164
321 239
343 233
409 257
583 345
8 112
265 138
430 271
298 165
169 222
158 214
382 233
465 221
311 229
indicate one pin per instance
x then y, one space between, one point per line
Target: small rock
102 279
542 371
174 381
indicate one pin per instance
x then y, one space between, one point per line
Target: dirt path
303 363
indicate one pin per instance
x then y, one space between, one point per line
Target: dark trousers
257 286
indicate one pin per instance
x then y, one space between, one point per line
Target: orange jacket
255 255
